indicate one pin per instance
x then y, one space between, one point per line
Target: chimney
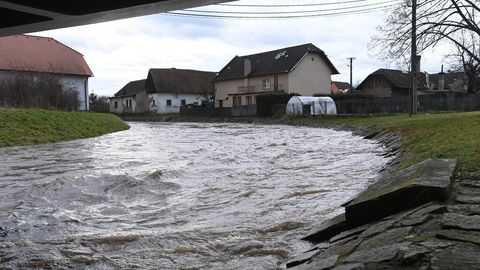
247 66
441 80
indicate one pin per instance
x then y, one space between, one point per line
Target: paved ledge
441 232
427 181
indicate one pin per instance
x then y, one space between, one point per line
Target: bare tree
36 90
461 61
451 21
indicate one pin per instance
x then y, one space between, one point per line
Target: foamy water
177 196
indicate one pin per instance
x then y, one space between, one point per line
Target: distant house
42 56
125 100
447 82
303 69
164 91
339 88
390 83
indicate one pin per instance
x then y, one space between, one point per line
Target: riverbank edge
22 127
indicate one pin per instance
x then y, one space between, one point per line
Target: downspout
86 94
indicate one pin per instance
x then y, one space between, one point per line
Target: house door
306 109
275 83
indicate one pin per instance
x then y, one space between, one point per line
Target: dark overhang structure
26 16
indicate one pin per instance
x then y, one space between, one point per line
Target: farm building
25 56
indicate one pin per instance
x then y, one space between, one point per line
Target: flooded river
177 196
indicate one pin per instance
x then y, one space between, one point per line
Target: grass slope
30 126
449 135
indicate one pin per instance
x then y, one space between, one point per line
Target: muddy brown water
177 196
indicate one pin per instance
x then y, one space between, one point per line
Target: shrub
268 104
353 96
28 90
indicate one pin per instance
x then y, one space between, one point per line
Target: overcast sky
122 51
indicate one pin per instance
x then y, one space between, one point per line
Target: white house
303 69
164 91
125 100
42 56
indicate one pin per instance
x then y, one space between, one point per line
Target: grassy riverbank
30 126
449 135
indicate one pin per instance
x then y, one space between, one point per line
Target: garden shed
311 105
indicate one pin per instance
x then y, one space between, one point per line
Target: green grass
448 135
31 126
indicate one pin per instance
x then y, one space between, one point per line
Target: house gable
272 62
310 76
390 82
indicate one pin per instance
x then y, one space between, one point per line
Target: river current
177 196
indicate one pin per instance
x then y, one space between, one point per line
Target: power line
287 12
333 14
290 5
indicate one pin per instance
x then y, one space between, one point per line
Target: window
115 104
237 101
169 102
249 100
126 103
183 102
130 104
376 82
153 102
266 84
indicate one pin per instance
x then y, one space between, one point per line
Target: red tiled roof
40 54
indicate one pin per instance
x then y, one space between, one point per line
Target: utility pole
414 58
351 71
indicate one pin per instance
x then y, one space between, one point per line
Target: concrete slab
427 181
327 229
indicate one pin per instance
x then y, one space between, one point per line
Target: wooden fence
242 111
426 103
384 105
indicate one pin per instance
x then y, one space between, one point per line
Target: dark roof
272 62
342 85
184 81
398 78
131 88
450 78
41 54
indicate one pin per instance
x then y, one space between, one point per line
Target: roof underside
26 16
272 62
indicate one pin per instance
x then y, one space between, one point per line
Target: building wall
77 83
123 105
158 101
308 78
223 88
252 86
141 102
311 76
380 88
